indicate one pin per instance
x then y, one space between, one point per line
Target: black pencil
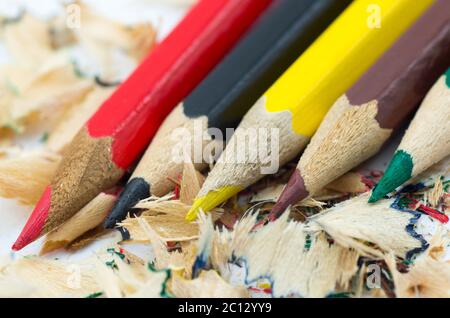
282 34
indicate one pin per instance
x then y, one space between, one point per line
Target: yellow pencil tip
211 201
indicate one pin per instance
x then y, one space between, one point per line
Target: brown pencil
364 118
426 142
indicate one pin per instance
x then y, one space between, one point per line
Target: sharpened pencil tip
136 190
36 222
374 197
211 201
294 192
398 172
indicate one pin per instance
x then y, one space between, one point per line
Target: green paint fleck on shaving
113 252
398 172
308 242
95 295
164 292
44 137
112 264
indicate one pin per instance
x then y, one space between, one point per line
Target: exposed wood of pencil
296 104
284 31
86 219
426 142
363 119
118 132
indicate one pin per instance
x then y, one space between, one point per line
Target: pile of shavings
352 249
331 245
47 93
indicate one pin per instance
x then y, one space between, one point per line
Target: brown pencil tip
294 191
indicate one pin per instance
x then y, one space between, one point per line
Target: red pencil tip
294 191
33 228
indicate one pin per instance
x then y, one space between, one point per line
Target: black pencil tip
136 190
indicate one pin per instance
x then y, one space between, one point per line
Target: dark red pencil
113 138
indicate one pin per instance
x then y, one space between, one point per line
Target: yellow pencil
292 109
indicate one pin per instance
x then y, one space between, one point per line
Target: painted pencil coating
112 139
426 142
402 77
363 119
324 72
282 33
140 109
308 110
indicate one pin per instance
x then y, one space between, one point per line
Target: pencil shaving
88 218
428 277
73 119
102 38
208 285
28 41
46 278
120 275
294 266
24 177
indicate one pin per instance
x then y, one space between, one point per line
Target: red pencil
114 137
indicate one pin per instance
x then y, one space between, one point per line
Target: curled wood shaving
38 277
25 177
191 183
75 117
178 260
28 40
296 263
102 38
119 277
167 217
208 285
48 94
86 219
435 196
354 223
428 277
91 236
163 258
168 228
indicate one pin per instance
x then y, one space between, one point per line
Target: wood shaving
354 222
293 269
74 118
25 177
28 41
38 277
88 218
208 285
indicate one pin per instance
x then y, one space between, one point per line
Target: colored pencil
296 104
426 142
362 120
124 125
282 33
